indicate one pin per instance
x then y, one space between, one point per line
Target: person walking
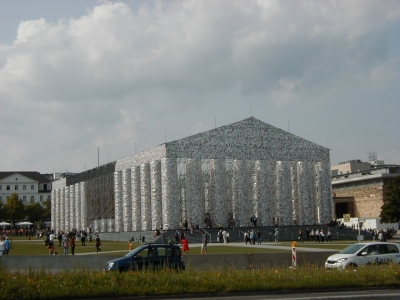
98 244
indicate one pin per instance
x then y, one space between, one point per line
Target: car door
367 255
143 258
393 253
387 254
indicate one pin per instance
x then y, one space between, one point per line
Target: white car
365 254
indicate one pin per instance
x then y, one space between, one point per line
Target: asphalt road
359 294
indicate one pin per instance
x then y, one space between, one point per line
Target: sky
87 80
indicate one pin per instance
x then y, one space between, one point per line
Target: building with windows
30 186
227 174
359 195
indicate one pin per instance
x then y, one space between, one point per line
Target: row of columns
154 194
68 208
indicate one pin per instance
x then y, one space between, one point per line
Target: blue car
151 256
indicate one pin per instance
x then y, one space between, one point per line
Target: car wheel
122 269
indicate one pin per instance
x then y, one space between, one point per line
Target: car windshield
134 252
352 249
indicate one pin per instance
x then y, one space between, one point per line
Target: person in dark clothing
98 244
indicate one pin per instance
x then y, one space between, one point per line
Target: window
41 187
48 197
16 187
49 187
8 187
392 249
32 198
41 198
1 187
24 187
23 198
1 198
32 187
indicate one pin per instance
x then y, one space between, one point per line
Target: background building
225 175
30 186
361 193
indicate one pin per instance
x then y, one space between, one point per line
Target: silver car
361 254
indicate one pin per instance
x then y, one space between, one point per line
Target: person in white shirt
2 246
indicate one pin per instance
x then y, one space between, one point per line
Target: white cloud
120 75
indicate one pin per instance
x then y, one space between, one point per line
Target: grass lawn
24 246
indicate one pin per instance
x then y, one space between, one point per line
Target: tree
47 210
2 212
14 208
390 210
34 212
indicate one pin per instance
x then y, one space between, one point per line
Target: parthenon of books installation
224 175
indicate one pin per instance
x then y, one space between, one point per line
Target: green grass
83 284
23 246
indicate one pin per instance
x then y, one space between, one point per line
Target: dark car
152 256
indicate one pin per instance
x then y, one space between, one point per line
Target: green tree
2 212
14 208
34 212
390 210
47 210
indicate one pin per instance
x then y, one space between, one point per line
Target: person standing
308 234
252 237
300 237
130 247
2 248
59 237
7 246
65 244
52 236
259 237
322 235
185 245
51 248
224 237
72 243
83 239
329 236
276 235
317 236
98 244
204 244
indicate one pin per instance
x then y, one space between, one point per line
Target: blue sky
126 75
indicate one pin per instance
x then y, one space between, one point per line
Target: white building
226 175
30 186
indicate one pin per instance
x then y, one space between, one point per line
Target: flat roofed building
362 193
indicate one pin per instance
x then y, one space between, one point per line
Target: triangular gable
248 139
32 176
